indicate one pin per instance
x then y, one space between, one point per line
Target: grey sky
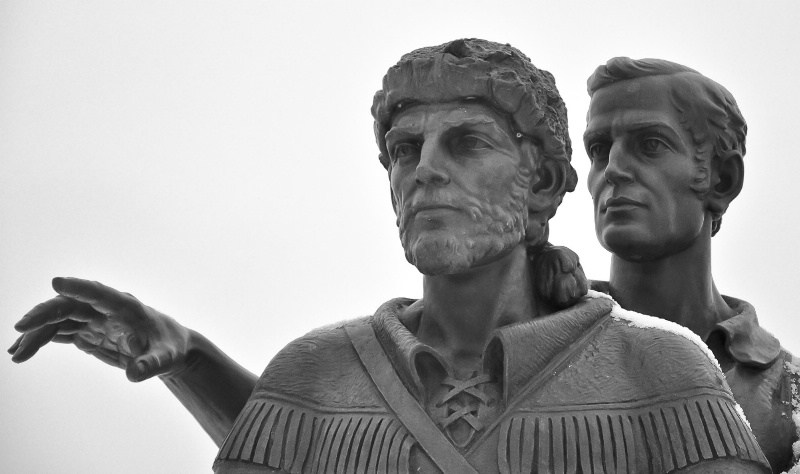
216 159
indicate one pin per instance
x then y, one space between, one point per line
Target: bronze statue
483 374
667 146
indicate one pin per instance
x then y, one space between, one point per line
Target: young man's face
455 177
643 164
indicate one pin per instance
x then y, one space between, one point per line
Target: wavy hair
497 75
707 111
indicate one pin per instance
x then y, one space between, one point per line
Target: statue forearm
212 386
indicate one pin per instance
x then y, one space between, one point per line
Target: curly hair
497 75
707 110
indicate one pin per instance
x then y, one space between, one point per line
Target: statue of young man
481 374
667 146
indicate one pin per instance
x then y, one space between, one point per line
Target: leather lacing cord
464 411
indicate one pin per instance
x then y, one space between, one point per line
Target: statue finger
14 346
70 327
64 338
101 297
52 310
32 341
77 312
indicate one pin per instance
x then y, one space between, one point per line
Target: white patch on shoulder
794 370
599 294
643 321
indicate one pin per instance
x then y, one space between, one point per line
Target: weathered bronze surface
667 147
503 366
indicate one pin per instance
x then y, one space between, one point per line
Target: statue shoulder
318 345
675 353
320 367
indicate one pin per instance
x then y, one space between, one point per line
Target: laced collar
513 355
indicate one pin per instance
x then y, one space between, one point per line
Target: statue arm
120 330
212 386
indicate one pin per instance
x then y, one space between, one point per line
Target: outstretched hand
113 326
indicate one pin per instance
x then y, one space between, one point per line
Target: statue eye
404 150
654 146
599 151
471 143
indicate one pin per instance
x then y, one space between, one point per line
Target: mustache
439 200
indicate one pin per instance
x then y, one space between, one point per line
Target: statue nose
431 168
618 170
429 175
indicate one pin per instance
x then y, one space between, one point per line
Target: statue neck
461 310
677 288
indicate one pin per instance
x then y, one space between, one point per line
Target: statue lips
432 203
620 204
432 211
433 208
435 214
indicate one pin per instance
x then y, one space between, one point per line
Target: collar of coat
513 354
745 341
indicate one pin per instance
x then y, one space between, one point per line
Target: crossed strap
403 404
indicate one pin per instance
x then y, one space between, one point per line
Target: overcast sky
216 159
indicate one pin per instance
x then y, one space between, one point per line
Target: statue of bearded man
481 374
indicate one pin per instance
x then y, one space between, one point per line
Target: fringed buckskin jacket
763 376
581 390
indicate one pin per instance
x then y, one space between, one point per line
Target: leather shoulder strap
405 406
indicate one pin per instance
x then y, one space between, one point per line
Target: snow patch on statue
794 370
644 321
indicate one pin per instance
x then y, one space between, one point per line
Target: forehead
632 101
422 117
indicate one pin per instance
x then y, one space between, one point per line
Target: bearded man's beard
498 229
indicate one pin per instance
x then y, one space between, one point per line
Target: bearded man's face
459 184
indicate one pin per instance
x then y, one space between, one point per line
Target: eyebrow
414 130
473 120
396 133
599 132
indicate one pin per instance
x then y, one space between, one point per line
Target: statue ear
547 185
727 178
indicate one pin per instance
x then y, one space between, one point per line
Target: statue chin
629 253
635 251
451 255
439 257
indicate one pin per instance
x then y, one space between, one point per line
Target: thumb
155 362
